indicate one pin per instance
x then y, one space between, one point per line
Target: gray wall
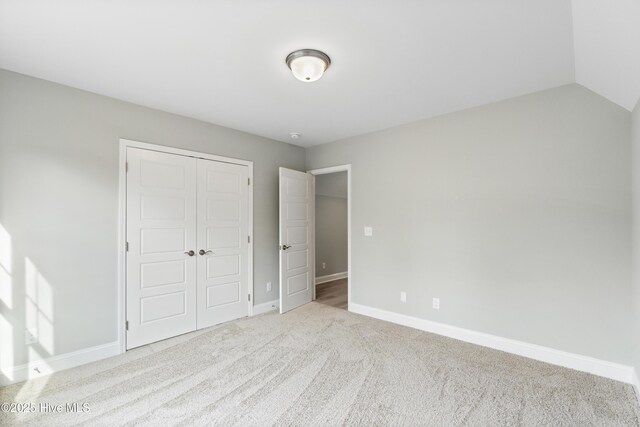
332 240
333 184
331 235
635 141
517 215
59 203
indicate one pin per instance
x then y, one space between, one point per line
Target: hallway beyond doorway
333 293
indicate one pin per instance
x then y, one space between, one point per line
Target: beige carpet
319 365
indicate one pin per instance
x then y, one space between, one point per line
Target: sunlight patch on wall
38 309
5 268
6 348
6 304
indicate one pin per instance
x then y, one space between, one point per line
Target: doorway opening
332 278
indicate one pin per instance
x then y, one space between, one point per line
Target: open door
297 236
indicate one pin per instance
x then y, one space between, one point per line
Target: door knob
190 253
285 247
203 252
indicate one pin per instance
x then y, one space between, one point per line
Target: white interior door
223 248
297 230
161 232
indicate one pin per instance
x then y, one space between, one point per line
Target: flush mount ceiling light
308 65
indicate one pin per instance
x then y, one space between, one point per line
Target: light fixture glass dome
308 65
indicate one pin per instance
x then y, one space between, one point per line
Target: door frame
122 221
325 171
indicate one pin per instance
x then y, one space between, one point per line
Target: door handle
285 247
190 253
203 252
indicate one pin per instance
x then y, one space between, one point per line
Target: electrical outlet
268 286
403 297
368 231
30 336
324 265
436 303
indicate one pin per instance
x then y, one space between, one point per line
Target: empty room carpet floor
319 365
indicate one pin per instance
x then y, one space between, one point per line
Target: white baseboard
54 364
331 277
58 363
266 307
578 362
636 384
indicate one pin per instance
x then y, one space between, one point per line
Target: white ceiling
223 61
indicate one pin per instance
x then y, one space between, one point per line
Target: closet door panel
223 195
161 230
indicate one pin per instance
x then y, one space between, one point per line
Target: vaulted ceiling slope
392 62
607 48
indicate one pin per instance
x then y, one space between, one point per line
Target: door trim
324 171
122 222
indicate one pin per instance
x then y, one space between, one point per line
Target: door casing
122 221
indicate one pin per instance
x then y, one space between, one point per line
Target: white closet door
161 230
297 233
223 249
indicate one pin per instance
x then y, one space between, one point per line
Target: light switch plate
368 231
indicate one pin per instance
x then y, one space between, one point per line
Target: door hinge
126 246
248 239
249 297
126 325
248 181
126 167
